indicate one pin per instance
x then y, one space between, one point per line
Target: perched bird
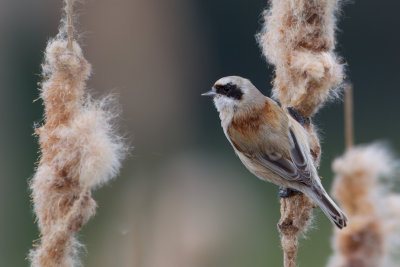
269 142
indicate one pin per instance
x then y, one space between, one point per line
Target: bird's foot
288 192
298 117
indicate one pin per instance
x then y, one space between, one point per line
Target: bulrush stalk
298 40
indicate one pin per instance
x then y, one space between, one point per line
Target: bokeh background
183 199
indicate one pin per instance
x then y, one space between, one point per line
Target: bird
270 143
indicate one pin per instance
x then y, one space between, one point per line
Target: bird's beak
210 93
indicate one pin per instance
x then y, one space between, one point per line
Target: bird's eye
226 88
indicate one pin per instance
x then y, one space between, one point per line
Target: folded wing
274 145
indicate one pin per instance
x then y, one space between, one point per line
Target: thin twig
348 117
70 25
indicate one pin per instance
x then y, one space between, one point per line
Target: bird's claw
287 192
298 117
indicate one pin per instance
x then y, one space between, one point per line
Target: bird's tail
329 207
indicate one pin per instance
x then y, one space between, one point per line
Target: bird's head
234 93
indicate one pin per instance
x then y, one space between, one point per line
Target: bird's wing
295 168
275 148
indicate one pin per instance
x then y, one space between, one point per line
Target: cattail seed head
80 151
372 209
298 39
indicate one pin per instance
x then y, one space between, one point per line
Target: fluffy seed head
298 39
373 232
79 151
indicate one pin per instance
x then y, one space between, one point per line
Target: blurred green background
183 199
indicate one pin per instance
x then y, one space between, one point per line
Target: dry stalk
298 39
348 116
79 150
69 8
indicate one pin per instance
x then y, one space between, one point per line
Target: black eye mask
230 90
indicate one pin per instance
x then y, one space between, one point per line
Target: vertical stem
298 39
70 24
348 114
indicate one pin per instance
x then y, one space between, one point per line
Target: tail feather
329 207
